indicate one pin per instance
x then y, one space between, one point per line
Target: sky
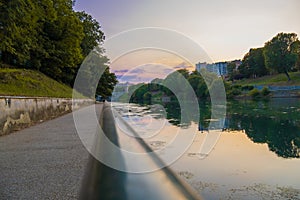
223 30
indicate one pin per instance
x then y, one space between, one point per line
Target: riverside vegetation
50 37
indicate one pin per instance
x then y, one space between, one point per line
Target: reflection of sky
237 162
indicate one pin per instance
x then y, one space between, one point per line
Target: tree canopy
49 36
253 64
280 54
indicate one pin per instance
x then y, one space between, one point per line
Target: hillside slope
22 82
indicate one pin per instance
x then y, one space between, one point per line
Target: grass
22 82
275 80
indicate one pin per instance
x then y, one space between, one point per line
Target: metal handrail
103 182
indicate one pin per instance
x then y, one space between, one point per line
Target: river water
256 155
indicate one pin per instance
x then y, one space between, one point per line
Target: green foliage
279 54
253 64
94 76
48 36
276 80
237 86
147 98
18 24
295 47
254 93
247 87
232 90
106 83
265 91
231 69
236 91
140 93
198 84
22 82
92 32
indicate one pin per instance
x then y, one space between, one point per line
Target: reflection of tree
267 125
174 114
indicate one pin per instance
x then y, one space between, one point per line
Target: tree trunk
287 74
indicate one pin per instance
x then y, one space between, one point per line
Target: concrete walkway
46 161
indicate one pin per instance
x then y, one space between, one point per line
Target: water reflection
274 122
250 159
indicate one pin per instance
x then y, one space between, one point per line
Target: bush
236 91
247 87
265 91
233 91
237 86
254 93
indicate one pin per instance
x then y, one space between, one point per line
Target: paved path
46 161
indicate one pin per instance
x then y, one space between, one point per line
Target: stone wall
20 112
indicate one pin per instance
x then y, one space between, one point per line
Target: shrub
265 91
237 86
233 91
236 91
247 87
254 93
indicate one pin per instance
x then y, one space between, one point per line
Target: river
256 155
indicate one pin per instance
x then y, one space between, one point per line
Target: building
219 68
222 68
200 66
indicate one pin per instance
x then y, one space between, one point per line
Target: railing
103 182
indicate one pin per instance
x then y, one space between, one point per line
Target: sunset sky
225 30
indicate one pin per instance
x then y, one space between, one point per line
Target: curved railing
103 182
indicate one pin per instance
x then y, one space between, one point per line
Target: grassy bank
22 82
275 80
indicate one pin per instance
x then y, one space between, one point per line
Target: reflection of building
219 68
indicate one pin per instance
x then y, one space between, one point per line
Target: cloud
119 73
183 65
145 73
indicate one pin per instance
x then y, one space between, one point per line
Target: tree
17 30
296 49
94 76
92 32
61 35
231 68
253 64
279 55
106 83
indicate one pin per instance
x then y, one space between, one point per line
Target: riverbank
266 92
